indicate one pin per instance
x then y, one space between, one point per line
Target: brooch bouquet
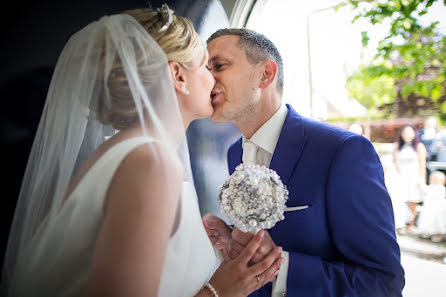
253 198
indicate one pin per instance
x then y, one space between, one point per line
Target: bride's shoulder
151 169
154 156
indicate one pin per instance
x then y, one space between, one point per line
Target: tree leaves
411 59
371 87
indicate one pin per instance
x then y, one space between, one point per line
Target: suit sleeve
360 219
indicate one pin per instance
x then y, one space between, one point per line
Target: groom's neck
266 109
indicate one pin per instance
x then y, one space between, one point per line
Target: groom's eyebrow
217 57
211 60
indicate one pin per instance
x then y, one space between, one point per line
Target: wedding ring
258 279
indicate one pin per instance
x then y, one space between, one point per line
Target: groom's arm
361 224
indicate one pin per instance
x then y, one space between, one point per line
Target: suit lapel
288 149
235 155
289 146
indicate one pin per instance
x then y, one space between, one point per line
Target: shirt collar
267 135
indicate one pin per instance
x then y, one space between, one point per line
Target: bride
107 205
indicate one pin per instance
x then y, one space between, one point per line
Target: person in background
356 128
395 187
427 136
432 217
409 155
430 136
438 149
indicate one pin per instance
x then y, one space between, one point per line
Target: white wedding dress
190 259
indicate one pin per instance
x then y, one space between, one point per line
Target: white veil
83 108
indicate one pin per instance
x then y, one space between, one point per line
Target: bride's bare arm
139 213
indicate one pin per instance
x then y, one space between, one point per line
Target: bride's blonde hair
180 43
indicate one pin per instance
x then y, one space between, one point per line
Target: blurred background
375 67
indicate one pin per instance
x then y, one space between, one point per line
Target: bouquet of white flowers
253 198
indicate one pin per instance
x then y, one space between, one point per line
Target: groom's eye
215 66
218 66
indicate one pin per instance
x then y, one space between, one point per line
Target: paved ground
422 248
424 263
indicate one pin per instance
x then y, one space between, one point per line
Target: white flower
253 198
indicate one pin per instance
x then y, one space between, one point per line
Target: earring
187 92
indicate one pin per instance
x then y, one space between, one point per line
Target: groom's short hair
257 47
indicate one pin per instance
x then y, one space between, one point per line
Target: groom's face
236 80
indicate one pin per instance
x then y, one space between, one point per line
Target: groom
338 237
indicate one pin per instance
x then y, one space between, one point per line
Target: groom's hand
240 240
218 232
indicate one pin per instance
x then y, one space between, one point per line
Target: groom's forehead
229 52
224 42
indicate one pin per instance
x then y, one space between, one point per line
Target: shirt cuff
279 286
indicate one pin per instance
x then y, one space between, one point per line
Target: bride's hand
235 278
218 232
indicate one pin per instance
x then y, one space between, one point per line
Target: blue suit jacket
344 244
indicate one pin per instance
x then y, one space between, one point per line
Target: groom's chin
217 118
220 114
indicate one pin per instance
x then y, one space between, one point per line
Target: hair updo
180 43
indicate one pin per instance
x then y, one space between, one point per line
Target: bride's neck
186 118
186 124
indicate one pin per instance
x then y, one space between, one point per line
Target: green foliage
371 88
408 74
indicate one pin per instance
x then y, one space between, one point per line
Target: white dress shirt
265 138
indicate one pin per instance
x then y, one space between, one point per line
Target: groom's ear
269 73
178 74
